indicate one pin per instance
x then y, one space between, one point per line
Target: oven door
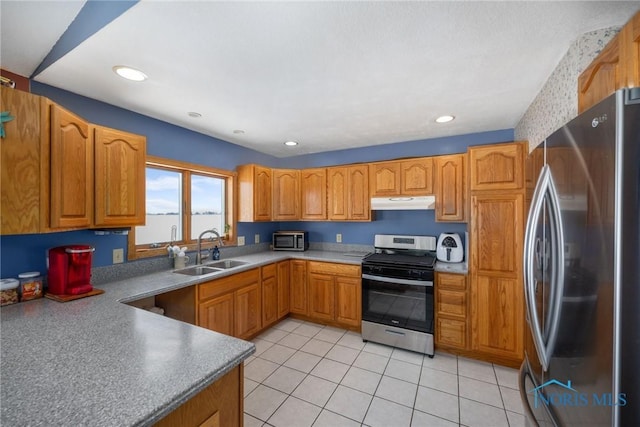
403 303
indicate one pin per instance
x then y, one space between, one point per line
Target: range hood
403 203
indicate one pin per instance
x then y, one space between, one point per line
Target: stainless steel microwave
290 241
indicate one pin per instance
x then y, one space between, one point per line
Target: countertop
97 361
452 267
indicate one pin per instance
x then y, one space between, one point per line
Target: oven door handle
425 283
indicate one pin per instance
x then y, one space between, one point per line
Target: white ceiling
330 75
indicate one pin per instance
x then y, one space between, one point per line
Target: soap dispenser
216 253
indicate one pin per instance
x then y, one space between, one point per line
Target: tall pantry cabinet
497 190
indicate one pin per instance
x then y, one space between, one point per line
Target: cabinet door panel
452 303
269 301
385 179
71 170
416 177
217 314
348 291
120 178
497 228
286 194
497 167
262 194
450 188
314 194
338 199
247 311
358 194
498 316
601 78
284 274
298 287
321 296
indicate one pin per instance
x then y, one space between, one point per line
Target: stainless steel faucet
199 256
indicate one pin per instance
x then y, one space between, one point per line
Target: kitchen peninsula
99 361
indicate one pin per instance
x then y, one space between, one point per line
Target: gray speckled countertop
452 267
96 361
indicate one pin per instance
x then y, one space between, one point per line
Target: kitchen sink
227 263
198 270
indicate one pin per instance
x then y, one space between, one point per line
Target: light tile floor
304 374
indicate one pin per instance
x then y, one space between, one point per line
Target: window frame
186 170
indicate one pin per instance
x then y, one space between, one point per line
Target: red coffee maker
70 270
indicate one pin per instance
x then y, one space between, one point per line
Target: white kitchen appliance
449 248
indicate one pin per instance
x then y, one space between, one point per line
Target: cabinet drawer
451 332
334 269
452 303
268 271
226 284
456 282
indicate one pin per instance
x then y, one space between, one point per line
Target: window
182 200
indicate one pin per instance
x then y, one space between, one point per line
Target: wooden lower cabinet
335 294
451 311
322 297
298 287
247 314
217 314
497 310
349 301
220 404
231 305
269 295
283 273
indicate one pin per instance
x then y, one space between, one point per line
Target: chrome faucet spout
199 256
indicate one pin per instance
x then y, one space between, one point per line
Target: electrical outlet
339 238
118 256
240 240
256 239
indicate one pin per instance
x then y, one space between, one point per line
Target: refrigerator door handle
557 266
545 191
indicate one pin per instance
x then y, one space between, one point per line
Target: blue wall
28 252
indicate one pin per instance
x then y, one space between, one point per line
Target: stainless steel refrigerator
582 271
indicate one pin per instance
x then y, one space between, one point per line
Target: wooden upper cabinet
617 66
338 198
119 178
254 185
24 169
313 195
416 177
359 200
413 177
450 187
497 166
71 170
385 179
348 197
286 194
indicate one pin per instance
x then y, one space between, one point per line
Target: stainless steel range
397 292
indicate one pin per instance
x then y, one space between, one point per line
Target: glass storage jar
30 285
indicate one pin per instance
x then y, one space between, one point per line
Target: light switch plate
256 239
240 240
339 238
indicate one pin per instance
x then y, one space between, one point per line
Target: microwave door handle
557 266
537 203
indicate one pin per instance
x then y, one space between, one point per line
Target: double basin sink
209 268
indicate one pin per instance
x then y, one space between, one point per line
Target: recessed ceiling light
238 131
444 119
130 73
194 114
290 143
